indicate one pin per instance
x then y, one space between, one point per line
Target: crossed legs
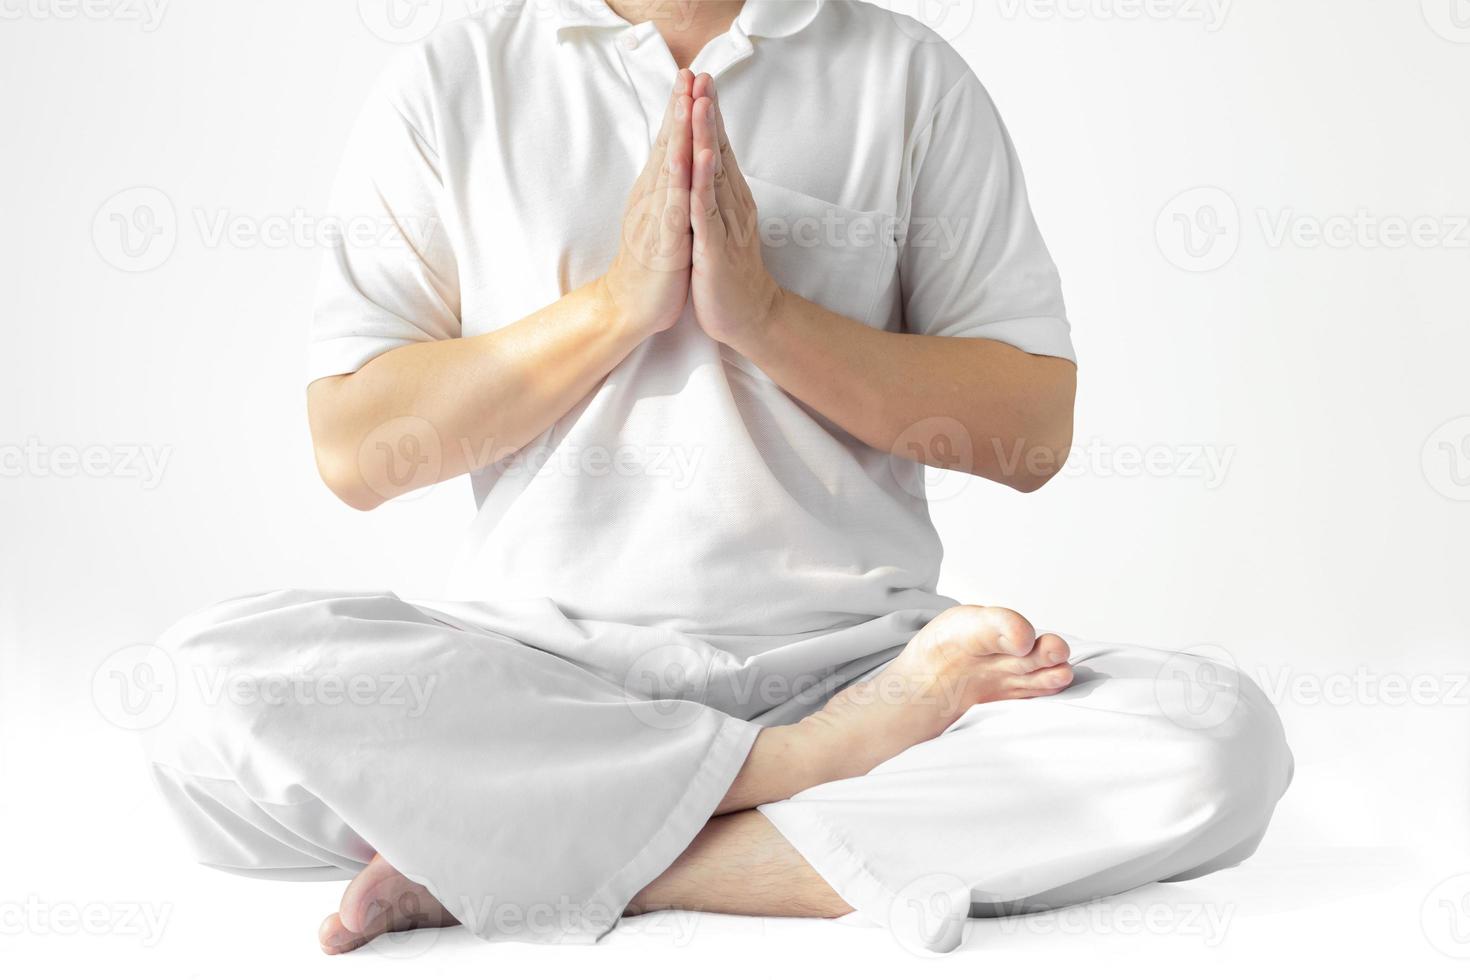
740 863
1062 771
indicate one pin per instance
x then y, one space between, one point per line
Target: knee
209 632
211 655
1233 761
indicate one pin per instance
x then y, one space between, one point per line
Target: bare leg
741 865
967 655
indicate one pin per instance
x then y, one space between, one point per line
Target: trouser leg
1153 766
530 795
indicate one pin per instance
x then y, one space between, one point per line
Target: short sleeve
972 263
389 277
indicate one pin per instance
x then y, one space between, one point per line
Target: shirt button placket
651 70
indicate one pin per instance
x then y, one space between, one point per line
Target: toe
1050 650
358 900
993 629
1047 681
336 938
380 900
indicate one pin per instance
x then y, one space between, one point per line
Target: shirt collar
758 18
582 13
777 18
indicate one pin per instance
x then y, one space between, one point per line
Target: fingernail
709 112
679 111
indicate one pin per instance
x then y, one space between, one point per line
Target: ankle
819 752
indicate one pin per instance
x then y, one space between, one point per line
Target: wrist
610 313
757 338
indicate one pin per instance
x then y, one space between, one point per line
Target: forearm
922 397
464 403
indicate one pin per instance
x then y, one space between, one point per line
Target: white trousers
535 772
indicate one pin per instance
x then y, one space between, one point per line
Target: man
694 656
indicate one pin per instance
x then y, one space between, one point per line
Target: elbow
1049 432
336 443
1041 468
1042 453
342 475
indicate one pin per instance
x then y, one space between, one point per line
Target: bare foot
380 900
967 655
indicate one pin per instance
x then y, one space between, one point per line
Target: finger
738 218
709 226
703 131
676 152
736 202
729 164
726 194
675 226
704 206
683 84
704 84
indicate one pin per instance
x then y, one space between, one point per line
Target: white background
1180 153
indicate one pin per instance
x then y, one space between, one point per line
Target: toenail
338 938
370 915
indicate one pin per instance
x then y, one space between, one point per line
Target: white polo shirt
688 490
